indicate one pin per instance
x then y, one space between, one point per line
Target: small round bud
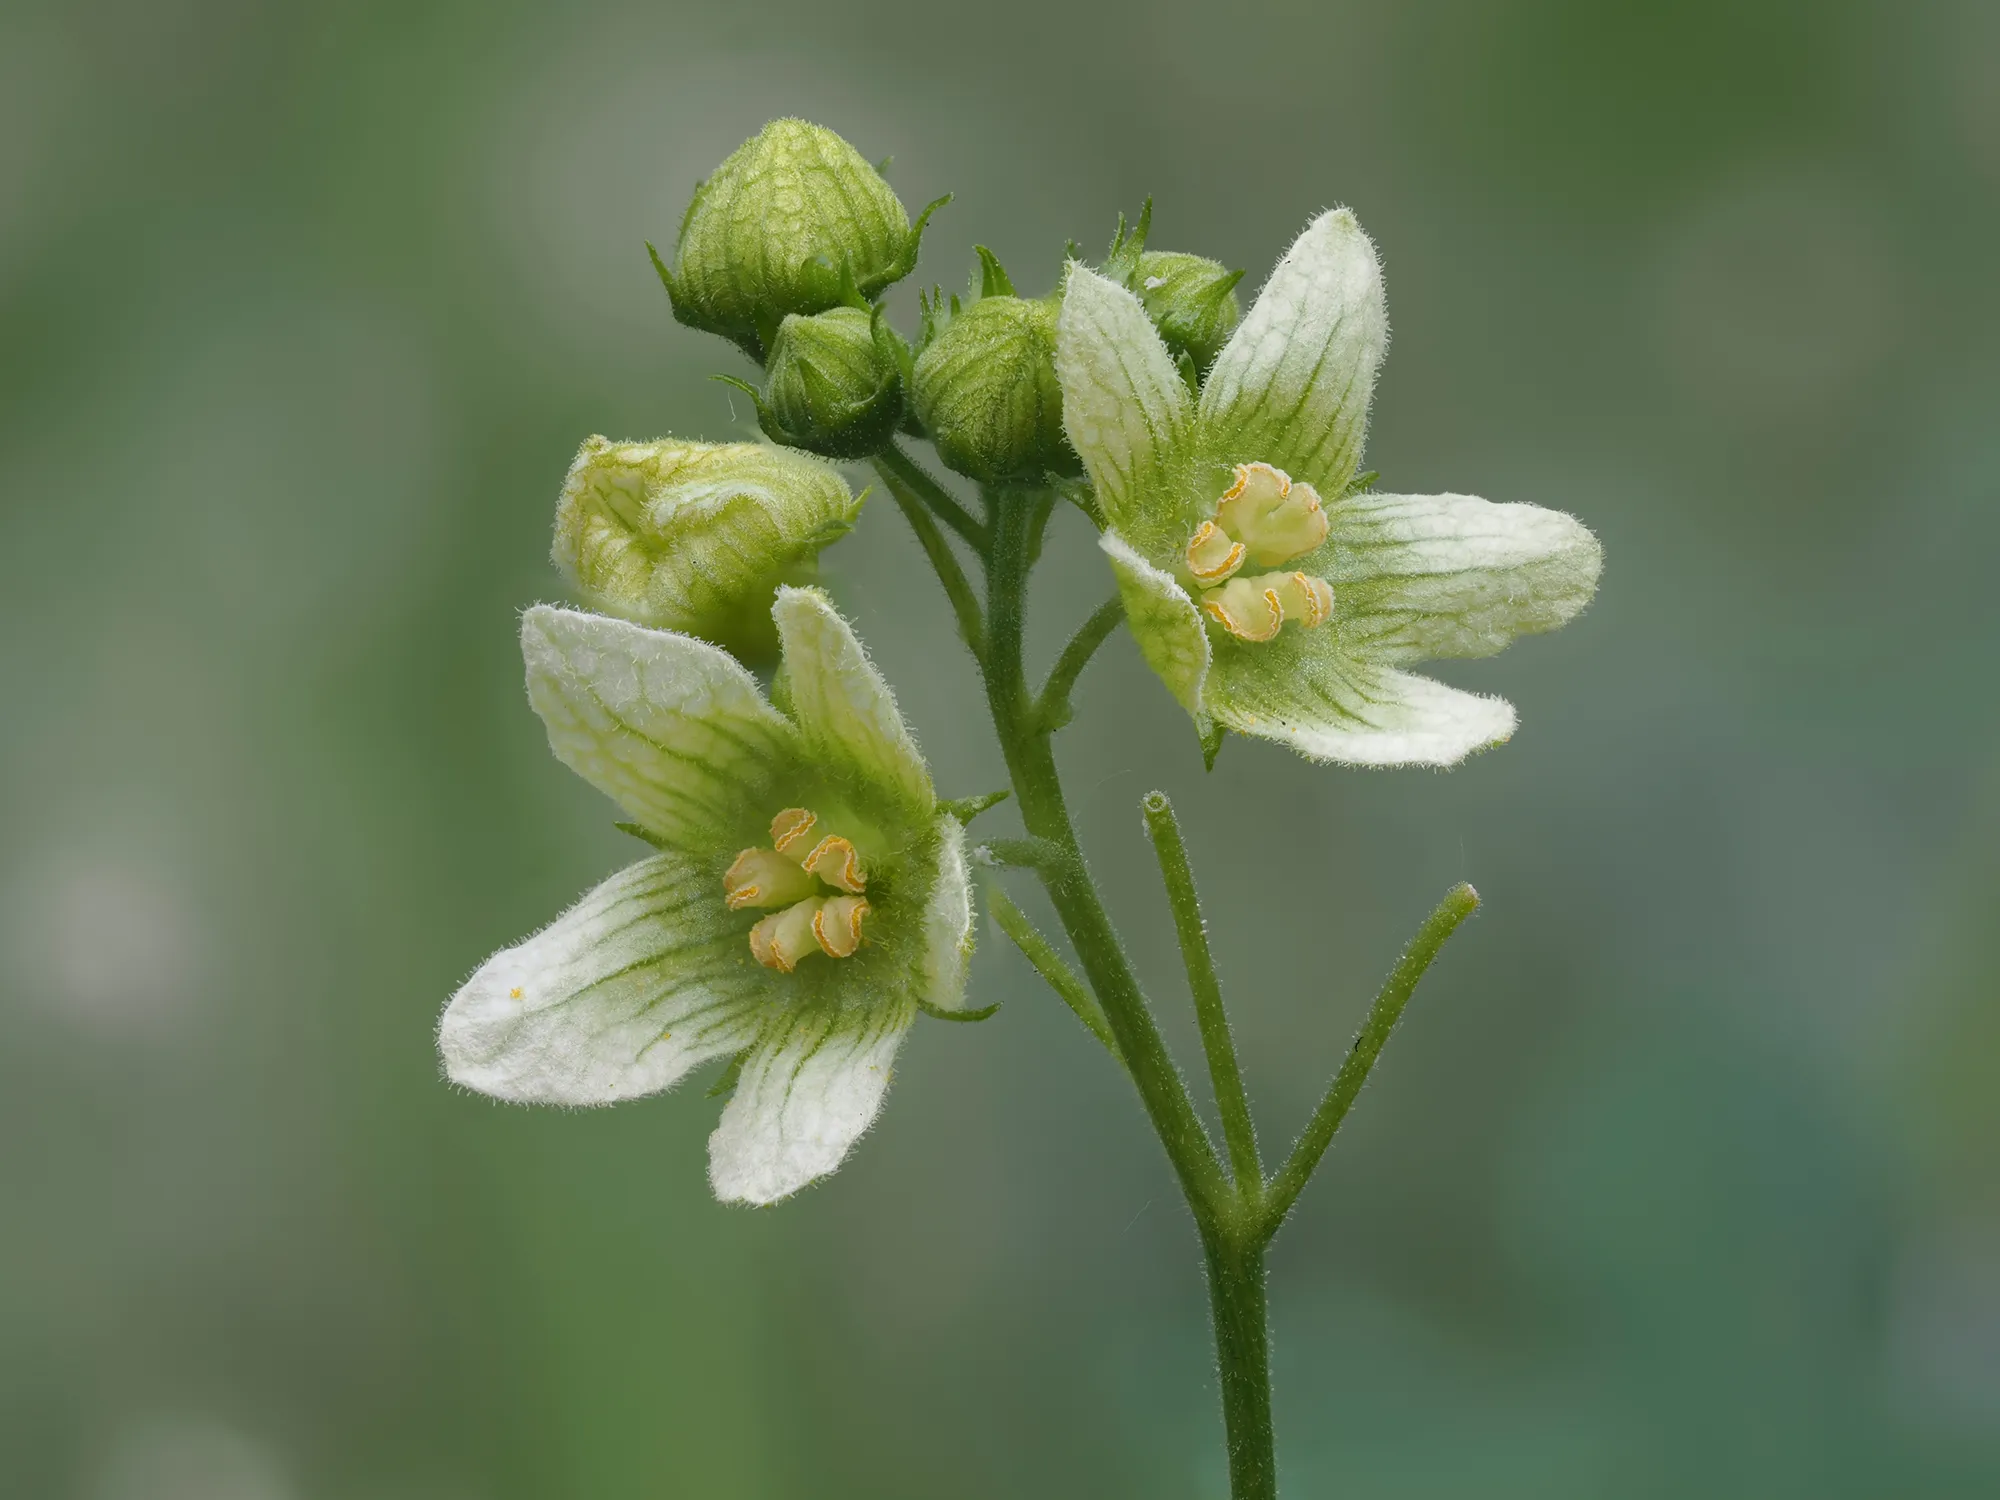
986 391
1191 300
791 214
696 537
835 385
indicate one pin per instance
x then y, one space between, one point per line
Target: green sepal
993 278
938 1014
725 1081
644 834
1121 263
965 809
1363 482
1211 745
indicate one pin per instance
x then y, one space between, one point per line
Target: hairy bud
986 391
835 384
1191 300
784 226
696 537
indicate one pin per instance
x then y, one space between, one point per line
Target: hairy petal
948 921
1291 387
1125 406
643 979
1302 691
1424 576
843 708
1164 621
671 728
810 1086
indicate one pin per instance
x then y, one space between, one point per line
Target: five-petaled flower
1271 600
807 897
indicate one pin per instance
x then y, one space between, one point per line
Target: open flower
1269 599
807 897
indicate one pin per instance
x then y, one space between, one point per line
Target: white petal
669 727
948 921
1291 387
641 980
1125 406
809 1088
1300 691
1424 576
1164 621
843 708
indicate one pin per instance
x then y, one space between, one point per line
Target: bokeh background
1683 1176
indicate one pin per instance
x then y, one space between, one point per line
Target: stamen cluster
792 874
1263 518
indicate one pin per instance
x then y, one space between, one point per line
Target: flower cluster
808 895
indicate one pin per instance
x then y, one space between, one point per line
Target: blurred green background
1683 1176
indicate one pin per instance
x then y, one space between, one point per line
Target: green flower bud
784 223
985 389
1191 300
696 537
836 383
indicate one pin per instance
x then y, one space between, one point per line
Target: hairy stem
1024 741
1052 706
1231 1102
1235 1266
1459 903
1048 963
892 460
907 489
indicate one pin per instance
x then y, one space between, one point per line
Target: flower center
795 874
1265 519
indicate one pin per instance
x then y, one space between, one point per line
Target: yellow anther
1248 608
782 939
833 860
1275 518
837 925
1306 599
1212 554
788 875
763 877
790 827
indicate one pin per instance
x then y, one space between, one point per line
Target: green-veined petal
1291 387
1125 406
1302 690
1417 577
643 979
844 710
1165 623
671 728
810 1086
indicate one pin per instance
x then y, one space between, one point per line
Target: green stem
1243 1362
909 497
1048 963
1052 705
1231 1102
1459 903
1024 741
892 460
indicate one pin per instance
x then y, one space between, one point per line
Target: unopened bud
1191 300
836 383
696 537
792 218
986 392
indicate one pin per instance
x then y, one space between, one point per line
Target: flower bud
785 222
835 384
985 390
696 537
1191 300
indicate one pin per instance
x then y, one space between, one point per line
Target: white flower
809 894
1269 599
